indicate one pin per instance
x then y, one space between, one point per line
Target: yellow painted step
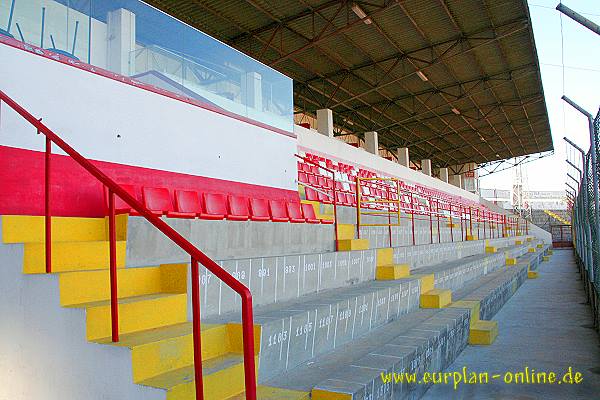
346 231
320 394
392 272
136 314
483 333
545 258
491 249
518 242
532 274
27 229
353 244
89 286
426 281
160 350
274 393
529 239
531 250
436 298
472 237
385 256
222 377
550 252
71 256
540 245
511 261
472 305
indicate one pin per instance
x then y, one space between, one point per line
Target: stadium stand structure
143 261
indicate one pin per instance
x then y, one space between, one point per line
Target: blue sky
581 83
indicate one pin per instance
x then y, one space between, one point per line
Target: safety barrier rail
196 256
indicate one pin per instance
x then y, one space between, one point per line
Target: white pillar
403 158
252 90
444 174
371 142
121 41
426 166
456 180
325 122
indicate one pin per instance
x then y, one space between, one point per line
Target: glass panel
129 37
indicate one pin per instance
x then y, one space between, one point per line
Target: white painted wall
337 150
89 111
44 353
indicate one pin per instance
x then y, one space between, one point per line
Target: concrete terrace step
299 330
424 340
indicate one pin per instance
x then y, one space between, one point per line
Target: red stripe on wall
76 193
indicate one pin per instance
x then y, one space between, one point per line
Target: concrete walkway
544 327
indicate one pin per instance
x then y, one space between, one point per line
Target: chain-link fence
585 221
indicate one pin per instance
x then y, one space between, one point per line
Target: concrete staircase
327 325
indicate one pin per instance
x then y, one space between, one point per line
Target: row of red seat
215 206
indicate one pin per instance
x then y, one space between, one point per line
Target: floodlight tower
520 204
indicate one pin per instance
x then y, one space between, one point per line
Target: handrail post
430 222
47 211
248 339
335 221
358 198
197 335
451 225
470 222
412 218
437 211
112 240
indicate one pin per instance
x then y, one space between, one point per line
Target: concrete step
71 256
299 330
222 378
136 313
90 286
29 229
424 340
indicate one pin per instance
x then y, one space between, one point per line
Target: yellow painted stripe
392 272
136 314
346 231
436 298
158 357
353 244
71 256
27 229
472 305
274 393
319 394
88 286
385 256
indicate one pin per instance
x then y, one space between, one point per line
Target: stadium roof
456 81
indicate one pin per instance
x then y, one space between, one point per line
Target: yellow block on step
426 281
452 225
385 256
27 229
473 305
529 239
483 333
531 250
436 298
518 242
392 272
505 235
274 393
346 231
540 245
532 274
71 256
236 339
321 394
162 350
550 252
491 249
88 286
136 314
511 261
472 237
353 244
545 258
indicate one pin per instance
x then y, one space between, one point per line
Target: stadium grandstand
254 199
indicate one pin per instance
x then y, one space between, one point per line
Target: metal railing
196 256
583 201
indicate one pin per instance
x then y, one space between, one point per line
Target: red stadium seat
313 180
321 181
341 199
157 200
121 207
214 207
295 213
302 177
326 198
238 208
259 210
187 203
309 213
311 194
278 211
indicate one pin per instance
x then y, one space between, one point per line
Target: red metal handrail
196 255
